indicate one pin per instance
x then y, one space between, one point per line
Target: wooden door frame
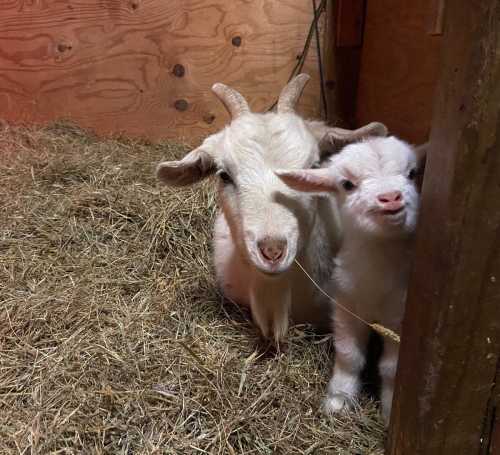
344 35
446 397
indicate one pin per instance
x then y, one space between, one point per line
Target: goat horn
291 93
233 101
340 137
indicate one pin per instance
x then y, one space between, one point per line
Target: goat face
269 221
374 182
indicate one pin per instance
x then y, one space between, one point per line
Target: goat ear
332 139
309 180
195 166
318 129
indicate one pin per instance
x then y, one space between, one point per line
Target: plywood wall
399 66
145 67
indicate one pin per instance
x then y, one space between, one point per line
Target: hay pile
113 337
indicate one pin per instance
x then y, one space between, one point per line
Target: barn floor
113 338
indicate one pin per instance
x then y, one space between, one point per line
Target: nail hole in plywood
179 70
63 47
181 105
209 118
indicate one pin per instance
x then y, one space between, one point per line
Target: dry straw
114 339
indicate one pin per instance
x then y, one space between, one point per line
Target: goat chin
276 299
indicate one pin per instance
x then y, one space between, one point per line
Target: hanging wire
380 329
302 58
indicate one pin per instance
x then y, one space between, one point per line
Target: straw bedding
114 338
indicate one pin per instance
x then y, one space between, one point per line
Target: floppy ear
332 139
309 180
195 166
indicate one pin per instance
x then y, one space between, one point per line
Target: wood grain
492 433
109 64
399 68
445 399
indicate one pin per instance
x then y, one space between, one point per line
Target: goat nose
272 249
392 196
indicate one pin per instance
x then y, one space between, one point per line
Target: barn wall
400 63
145 67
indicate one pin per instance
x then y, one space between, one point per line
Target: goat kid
263 225
374 183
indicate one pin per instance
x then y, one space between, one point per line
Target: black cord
300 63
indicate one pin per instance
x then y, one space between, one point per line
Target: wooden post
344 59
446 402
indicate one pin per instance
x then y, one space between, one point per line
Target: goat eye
348 185
225 177
412 174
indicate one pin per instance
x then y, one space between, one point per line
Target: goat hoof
337 403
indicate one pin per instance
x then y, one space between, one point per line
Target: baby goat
263 225
374 184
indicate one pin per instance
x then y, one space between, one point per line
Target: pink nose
272 250
392 200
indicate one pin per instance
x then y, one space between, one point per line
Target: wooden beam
444 398
494 448
399 67
350 18
436 17
491 432
329 60
342 69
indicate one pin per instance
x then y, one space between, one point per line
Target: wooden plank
495 438
399 68
145 67
342 69
436 17
348 60
330 64
350 18
493 433
451 335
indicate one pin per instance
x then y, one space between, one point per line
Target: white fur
258 205
372 265
373 262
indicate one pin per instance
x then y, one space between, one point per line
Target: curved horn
234 102
338 137
291 93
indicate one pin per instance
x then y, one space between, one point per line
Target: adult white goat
374 184
263 225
